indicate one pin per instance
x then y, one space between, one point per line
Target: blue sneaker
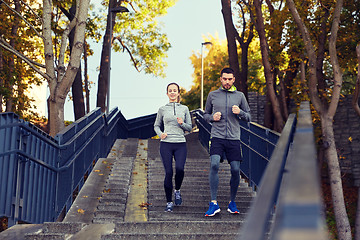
169 207
177 196
213 209
232 208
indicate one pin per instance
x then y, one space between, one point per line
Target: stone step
198 208
47 236
199 184
111 207
203 191
195 216
203 198
56 230
171 236
109 214
178 227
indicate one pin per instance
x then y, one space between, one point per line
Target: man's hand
235 109
217 116
163 135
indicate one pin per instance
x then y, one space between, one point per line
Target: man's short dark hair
227 70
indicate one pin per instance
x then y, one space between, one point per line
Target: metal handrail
204 127
258 218
29 148
289 192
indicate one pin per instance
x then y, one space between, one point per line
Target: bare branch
6 46
334 59
32 64
19 15
33 12
129 52
64 39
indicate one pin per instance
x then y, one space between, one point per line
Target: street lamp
202 75
113 10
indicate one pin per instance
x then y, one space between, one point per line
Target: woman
176 119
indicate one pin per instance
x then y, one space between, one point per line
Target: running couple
224 107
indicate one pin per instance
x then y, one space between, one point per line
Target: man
224 107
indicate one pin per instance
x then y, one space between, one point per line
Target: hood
232 89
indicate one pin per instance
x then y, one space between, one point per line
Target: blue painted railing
289 202
257 144
39 174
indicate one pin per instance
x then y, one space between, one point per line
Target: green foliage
139 32
215 59
15 76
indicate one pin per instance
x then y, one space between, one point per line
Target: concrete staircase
105 205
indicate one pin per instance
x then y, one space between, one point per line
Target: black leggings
167 151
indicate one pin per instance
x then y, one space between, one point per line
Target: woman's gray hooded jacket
167 118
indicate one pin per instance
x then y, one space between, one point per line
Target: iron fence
40 175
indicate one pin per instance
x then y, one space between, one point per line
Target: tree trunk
11 78
56 115
342 220
78 97
77 87
60 84
86 79
268 113
231 40
269 76
289 77
326 115
105 61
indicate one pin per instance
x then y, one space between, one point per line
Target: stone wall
347 138
257 103
346 131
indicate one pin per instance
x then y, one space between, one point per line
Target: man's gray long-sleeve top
222 100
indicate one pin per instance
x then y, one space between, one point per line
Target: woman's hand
163 135
180 121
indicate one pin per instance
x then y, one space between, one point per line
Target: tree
327 113
232 48
139 35
243 34
216 59
269 74
77 86
15 78
60 66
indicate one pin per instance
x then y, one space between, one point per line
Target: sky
136 94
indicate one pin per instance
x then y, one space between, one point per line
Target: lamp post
202 75
113 10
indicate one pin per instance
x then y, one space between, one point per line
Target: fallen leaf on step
107 190
85 196
96 170
145 204
81 211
